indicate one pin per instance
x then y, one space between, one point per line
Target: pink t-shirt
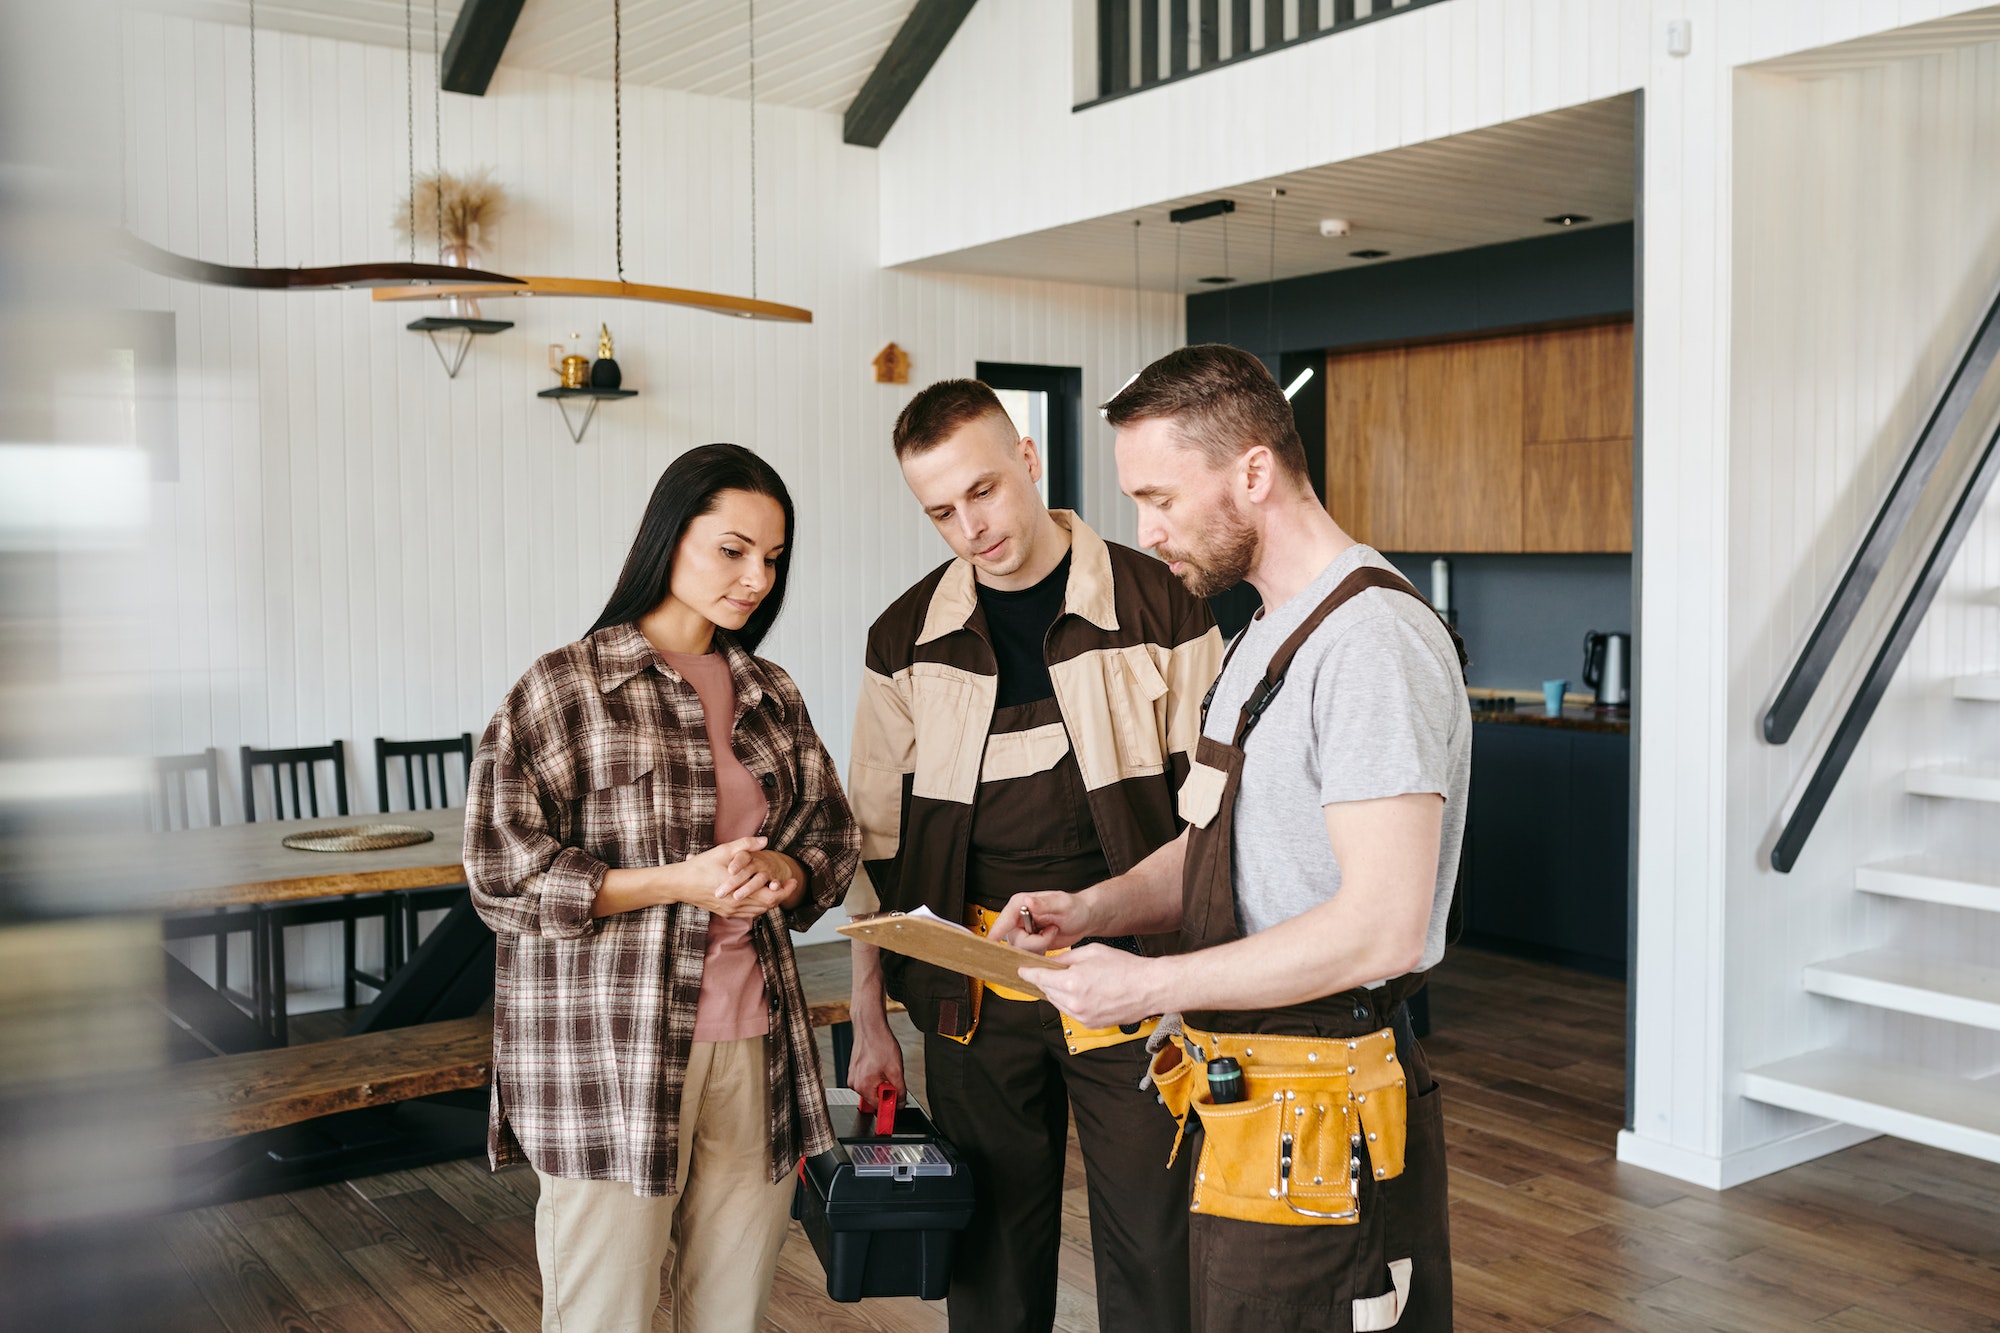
732 1005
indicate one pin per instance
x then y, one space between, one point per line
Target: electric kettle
1607 668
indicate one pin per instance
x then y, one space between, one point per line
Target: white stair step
1958 1115
1929 880
1977 687
1889 979
1965 782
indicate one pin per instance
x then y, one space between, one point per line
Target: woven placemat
359 838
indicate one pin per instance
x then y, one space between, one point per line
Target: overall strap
1362 579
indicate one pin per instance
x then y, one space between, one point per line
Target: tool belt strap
1315 1109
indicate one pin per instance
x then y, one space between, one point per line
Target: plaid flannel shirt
597 759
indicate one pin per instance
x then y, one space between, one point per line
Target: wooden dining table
234 865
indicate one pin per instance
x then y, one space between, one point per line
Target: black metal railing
1977 483
1144 43
1891 517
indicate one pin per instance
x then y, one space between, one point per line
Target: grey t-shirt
1373 706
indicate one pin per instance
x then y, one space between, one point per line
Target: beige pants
601 1246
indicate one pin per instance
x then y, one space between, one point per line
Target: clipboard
954 948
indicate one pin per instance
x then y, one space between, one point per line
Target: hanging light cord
437 126
753 149
618 133
1135 287
1271 280
256 248
410 118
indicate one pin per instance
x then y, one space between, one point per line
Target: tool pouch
1317 1112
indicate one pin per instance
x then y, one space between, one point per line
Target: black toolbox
885 1207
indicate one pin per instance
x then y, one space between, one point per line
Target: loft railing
1977 483
1891 517
1144 43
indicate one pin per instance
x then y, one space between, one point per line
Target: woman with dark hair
650 815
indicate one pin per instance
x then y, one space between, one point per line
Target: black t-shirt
1018 623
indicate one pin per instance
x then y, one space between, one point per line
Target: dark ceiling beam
477 40
915 48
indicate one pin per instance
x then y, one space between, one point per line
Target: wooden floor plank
515 1236
435 1227
342 1216
473 1190
309 1267
427 1300
235 1280
368 1315
511 1295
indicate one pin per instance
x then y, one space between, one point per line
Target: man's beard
1223 557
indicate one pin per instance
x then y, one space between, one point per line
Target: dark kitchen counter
1575 717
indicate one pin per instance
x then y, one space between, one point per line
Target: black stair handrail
1891 517
1965 509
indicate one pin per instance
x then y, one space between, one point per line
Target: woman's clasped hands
742 878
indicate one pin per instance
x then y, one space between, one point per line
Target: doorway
1046 405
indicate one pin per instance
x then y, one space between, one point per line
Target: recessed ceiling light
1216 282
1368 254
1567 220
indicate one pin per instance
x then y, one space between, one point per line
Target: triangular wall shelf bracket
456 339
578 418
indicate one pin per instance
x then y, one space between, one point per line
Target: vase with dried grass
461 212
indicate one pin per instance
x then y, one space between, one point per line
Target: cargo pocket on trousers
1414 1212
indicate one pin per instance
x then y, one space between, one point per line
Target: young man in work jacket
1311 888
1026 715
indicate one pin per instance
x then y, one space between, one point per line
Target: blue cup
1552 696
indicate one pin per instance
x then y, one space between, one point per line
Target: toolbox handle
885 1110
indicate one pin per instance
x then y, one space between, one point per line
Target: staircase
1957 1114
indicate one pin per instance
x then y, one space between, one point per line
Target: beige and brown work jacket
1131 656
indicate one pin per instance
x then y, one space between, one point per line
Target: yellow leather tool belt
1314 1110
1078 1037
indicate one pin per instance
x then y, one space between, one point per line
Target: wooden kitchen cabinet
1577 384
1510 444
1461 457
1364 407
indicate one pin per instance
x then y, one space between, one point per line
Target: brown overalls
1251 1275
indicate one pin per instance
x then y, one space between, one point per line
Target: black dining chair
295 772
419 761
187 794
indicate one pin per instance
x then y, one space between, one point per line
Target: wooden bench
229 1095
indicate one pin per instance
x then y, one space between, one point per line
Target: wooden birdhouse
892 365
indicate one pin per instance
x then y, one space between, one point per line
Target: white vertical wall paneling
1811 247
1882 171
359 546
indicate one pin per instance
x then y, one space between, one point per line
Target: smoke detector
1333 228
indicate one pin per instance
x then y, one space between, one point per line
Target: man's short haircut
940 412
1222 401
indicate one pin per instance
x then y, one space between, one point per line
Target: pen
1028 919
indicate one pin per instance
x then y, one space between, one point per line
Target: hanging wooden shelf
430 280
590 398
741 306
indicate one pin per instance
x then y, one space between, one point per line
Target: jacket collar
622 652
1088 593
